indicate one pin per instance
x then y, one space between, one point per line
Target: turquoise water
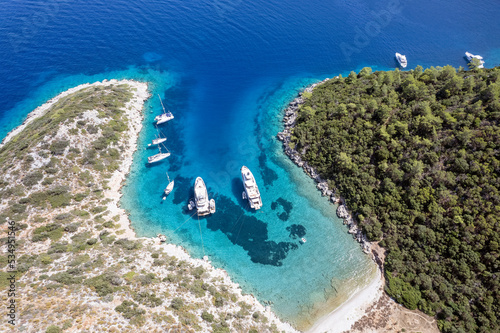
226 69
260 249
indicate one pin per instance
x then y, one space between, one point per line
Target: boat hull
201 197
401 60
251 189
158 157
169 188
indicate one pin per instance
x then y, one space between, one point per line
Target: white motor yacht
251 189
471 56
402 60
201 198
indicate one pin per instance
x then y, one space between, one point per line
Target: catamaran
202 204
402 60
158 157
471 56
251 189
169 187
165 116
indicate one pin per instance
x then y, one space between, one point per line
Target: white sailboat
202 204
165 116
402 60
251 189
158 157
169 187
157 140
471 56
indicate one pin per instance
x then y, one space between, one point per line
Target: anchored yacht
402 60
157 140
202 204
251 190
158 157
165 116
471 56
169 187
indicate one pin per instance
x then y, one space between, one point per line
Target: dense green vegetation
416 157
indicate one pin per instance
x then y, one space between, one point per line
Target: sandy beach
342 318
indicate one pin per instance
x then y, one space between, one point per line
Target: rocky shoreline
289 121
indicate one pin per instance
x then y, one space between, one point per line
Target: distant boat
157 140
170 186
251 189
165 116
162 238
202 204
471 56
402 60
303 240
158 157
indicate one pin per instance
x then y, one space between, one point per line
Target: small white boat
191 205
402 60
471 56
165 116
158 157
303 240
162 238
169 187
212 206
251 189
157 140
203 205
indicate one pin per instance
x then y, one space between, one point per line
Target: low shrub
52 231
128 244
104 283
53 329
177 303
58 146
32 179
148 299
129 309
207 316
66 278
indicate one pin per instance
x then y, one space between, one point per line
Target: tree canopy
416 156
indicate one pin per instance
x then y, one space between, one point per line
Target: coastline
112 194
348 313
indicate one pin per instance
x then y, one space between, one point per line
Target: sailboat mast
161 104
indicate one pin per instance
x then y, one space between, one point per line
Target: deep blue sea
226 69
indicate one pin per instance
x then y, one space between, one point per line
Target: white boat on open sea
402 60
165 116
251 189
471 56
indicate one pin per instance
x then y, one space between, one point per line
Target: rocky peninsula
79 267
